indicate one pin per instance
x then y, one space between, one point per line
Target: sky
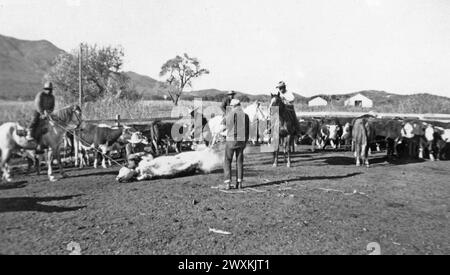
315 46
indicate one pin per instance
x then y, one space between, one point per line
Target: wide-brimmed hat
231 93
48 86
235 102
281 84
137 138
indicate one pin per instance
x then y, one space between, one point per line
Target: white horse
217 129
12 138
257 116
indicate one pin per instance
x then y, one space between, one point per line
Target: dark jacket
225 103
237 125
44 102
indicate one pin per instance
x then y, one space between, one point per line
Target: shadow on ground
28 204
278 182
13 185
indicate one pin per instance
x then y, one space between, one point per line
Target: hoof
64 175
274 165
288 165
52 179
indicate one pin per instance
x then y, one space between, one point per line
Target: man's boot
239 184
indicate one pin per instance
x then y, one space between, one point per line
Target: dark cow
310 130
389 130
435 142
101 139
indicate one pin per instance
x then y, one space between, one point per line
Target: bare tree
180 72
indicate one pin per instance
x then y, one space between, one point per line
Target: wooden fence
426 117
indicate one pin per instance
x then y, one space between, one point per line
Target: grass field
17 111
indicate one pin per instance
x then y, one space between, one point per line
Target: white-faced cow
100 139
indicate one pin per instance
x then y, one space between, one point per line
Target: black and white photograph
224 132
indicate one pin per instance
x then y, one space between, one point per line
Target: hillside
23 65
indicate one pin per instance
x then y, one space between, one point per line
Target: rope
82 140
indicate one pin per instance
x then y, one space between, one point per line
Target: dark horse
286 121
53 131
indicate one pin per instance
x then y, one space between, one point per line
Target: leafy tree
101 74
180 71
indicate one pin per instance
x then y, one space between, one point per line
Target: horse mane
65 114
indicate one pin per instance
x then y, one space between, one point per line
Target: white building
359 100
317 101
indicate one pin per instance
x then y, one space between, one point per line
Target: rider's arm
288 98
223 106
38 103
51 104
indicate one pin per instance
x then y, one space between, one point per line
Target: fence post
76 145
118 120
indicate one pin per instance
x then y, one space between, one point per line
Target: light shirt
287 97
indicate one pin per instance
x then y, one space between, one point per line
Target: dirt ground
322 205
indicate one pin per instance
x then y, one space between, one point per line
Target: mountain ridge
23 64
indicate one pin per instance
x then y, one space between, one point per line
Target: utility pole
80 81
80 102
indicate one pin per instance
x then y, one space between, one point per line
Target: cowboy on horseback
44 107
288 99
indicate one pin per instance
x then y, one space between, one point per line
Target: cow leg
313 149
333 145
6 155
104 156
97 155
421 153
50 156
290 144
58 159
275 156
396 141
357 154
37 163
365 154
324 144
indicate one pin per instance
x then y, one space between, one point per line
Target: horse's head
276 101
69 117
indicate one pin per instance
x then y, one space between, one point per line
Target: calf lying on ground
170 166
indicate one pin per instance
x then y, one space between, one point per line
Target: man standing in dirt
44 106
237 125
226 101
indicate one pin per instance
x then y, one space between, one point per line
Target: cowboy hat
231 93
281 84
137 138
48 86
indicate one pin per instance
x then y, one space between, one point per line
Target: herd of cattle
400 138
